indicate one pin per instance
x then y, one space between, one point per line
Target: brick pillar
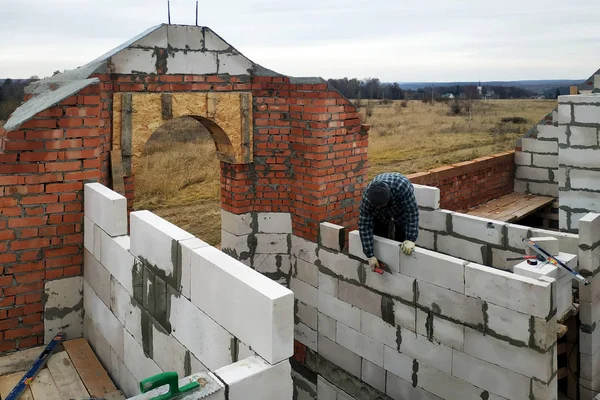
329 160
43 167
589 302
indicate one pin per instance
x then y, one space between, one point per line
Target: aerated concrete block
341 265
261 312
436 268
582 136
360 344
518 293
140 365
579 158
304 292
167 352
386 250
97 277
105 323
187 246
376 328
339 310
126 310
272 243
373 375
327 326
509 323
584 179
304 249
398 285
123 377
117 259
332 236
439 383
461 248
306 272
255 379
202 336
552 132
397 363
130 60
426 239
506 383
586 114
515 235
305 335
63 308
427 196
155 241
532 173
522 360
272 263
523 158
270 222
544 188
88 234
426 352
451 304
360 297
236 224
539 146
307 314
236 246
435 220
499 259
325 390
340 356
440 330
328 284
234 64
546 160
105 208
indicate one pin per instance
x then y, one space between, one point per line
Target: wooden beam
167 106
127 132
116 161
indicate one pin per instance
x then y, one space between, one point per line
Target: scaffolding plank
93 375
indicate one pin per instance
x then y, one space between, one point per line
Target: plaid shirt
402 207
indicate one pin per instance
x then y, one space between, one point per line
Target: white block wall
162 300
406 333
537 162
579 158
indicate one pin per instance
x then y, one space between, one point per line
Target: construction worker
388 203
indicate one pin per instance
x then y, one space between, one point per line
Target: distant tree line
11 95
373 88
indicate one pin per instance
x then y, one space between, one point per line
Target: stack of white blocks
433 302
205 318
564 279
268 232
579 159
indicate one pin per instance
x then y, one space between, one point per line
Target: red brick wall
310 159
468 184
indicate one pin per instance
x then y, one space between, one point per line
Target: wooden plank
93 375
20 360
66 377
166 100
43 386
116 161
525 208
8 383
496 203
127 132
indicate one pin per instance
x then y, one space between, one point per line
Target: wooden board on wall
117 171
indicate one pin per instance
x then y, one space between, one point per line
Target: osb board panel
116 123
225 110
189 104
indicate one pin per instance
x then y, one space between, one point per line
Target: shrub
404 103
514 120
386 102
358 103
455 108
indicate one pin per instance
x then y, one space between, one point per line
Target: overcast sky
394 40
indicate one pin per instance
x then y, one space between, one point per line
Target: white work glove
373 263
407 247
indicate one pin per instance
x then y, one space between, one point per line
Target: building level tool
554 261
38 364
196 386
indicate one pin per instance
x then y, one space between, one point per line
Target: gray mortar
60 313
187 364
429 326
234 349
398 338
387 310
415 376
485 395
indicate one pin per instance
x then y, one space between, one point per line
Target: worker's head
379 194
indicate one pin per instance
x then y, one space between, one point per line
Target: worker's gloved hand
373 263
407 247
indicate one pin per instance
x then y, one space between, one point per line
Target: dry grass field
178 176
